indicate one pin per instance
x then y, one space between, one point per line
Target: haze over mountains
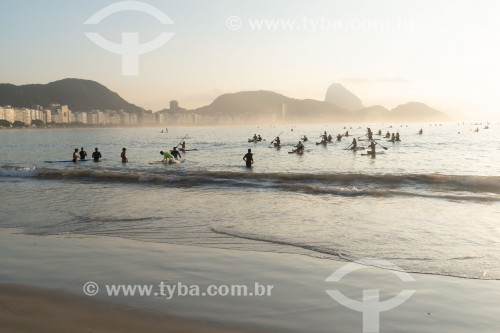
340 104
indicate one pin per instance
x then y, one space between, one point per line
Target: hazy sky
444 53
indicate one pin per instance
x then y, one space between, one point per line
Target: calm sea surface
430 203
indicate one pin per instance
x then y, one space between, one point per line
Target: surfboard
67 161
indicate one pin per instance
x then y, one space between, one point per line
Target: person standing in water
75 155
175 153
96 155
248 158
83 154
124 155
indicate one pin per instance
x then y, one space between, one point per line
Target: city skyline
443 54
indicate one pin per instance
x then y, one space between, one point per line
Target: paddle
185 136
385 148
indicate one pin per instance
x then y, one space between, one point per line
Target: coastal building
81 117
7 113
60 113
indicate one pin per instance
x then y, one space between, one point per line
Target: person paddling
278 142
354 144
183 146
372 147
299 148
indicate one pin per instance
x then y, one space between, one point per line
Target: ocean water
430 203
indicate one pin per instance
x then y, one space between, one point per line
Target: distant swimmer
339 137
166 155
421 132
387 135
183 146
397 137
124 155
255 137
393 137
379 132
83 154
175 153
305 138
346 133
248 158
278 142
329 138
96 155
259 138
75 155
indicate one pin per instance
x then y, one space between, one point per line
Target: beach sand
298 303
28 309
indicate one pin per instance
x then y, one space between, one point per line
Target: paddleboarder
372 147
354 144
299 147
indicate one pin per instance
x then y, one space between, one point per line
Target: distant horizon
387 54
454 116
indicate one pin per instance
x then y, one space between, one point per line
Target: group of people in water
96 155
82 155
256 138
327 138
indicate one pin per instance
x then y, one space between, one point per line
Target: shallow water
430 204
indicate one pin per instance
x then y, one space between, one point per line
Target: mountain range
339 104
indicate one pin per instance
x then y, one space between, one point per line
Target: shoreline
299 298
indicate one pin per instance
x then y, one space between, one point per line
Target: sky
444 53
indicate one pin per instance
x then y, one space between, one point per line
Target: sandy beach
28 309
298 303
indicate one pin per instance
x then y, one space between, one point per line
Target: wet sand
299 302
27 309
